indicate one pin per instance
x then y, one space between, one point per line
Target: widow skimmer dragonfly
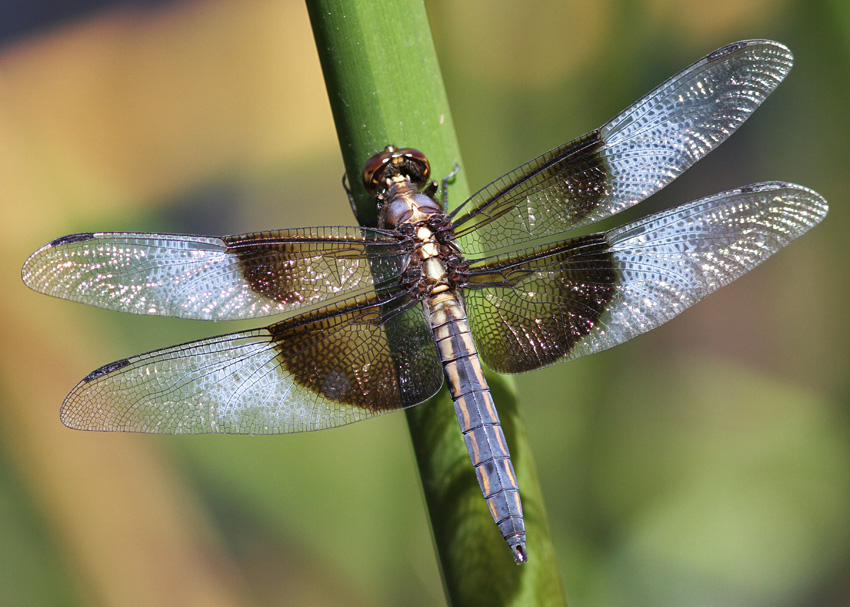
376 319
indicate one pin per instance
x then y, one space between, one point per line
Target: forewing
229 278
315 371
631 157
543 305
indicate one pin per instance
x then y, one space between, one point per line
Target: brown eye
374 169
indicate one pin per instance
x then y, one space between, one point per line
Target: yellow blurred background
707 463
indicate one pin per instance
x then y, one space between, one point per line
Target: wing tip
816 203
30 270
770 53
76 409
69 414
73 413
742 44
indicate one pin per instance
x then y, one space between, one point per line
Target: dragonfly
377 319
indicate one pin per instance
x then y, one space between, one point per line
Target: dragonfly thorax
408 207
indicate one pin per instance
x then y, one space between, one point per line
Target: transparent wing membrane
631 157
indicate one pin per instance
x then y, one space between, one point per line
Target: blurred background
706 463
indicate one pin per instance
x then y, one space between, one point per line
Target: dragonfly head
394 172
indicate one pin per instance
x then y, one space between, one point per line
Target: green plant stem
385 87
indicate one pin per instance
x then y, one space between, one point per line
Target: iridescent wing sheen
631 157
542 305
326 368
228 278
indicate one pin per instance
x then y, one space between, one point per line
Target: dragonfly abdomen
478 419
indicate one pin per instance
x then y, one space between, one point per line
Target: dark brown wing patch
366 357
528 314
544 196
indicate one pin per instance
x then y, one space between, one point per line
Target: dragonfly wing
328 368
557 302
631 157
229 278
